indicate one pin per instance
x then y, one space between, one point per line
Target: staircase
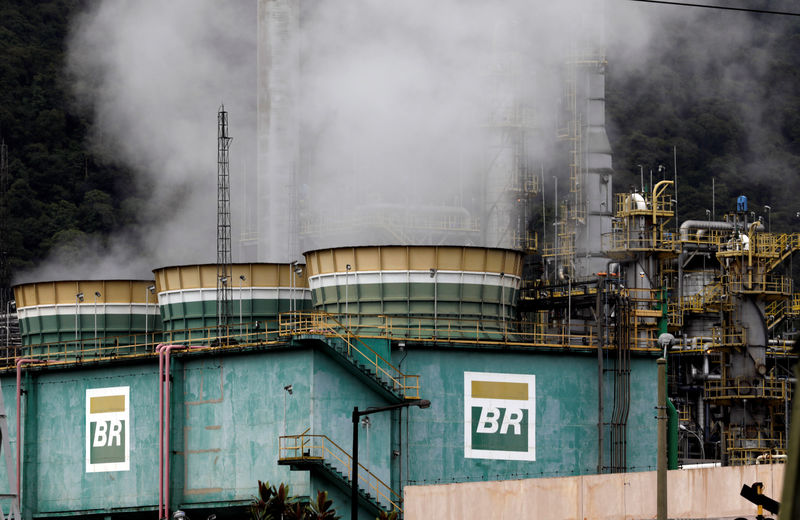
320 454
784 246
322 330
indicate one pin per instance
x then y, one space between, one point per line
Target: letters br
499 428
108 441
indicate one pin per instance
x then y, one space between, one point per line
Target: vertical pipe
166 349
20 362
599 324
354 470
661 480
159 349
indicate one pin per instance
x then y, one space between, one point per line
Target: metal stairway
320 454
323 330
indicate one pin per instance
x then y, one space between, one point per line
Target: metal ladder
13 513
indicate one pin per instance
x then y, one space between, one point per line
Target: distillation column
595 222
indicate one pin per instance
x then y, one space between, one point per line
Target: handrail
305 449
97 349
292 323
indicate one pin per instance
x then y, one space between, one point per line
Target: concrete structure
711 493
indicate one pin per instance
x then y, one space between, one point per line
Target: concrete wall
693 493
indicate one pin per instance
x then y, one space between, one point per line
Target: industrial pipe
709 224
20 362
164 410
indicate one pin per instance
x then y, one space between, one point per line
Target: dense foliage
728 99
60 192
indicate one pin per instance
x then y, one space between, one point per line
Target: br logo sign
499 416
108 429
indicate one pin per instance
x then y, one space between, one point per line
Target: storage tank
75 312
187 297
418 291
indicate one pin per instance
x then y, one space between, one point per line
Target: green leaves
277 504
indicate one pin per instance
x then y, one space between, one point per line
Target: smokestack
278 129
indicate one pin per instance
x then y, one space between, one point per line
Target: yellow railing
752 450
771 388
305 447
141 345
294 323
758 284
795 305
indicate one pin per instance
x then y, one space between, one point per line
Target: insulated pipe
20 362
164 439
709 224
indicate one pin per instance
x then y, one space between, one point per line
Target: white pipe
708 224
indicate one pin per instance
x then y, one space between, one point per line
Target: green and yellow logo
108 429
499 416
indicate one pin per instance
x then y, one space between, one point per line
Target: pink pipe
160 431
20 362
164 351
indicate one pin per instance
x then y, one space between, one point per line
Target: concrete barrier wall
693 493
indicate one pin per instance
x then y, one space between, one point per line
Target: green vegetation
277 504
724 89
61 193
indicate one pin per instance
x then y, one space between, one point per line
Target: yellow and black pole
661 473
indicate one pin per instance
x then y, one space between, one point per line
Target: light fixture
242 277
97 293
79 296
152 289
288 388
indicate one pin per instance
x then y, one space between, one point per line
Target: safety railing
794 307
770 388
140 345
320 448
744 450
320 323
758 284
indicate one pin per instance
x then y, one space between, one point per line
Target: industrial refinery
471 343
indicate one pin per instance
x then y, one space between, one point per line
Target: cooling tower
428 287
187 297
77 311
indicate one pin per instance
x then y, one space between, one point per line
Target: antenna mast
223 224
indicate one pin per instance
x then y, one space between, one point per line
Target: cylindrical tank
427 288
78 311
187 297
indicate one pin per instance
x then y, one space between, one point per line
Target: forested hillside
59 190
729 105
724 89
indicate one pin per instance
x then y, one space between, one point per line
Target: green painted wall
228 411
227 415
566 415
